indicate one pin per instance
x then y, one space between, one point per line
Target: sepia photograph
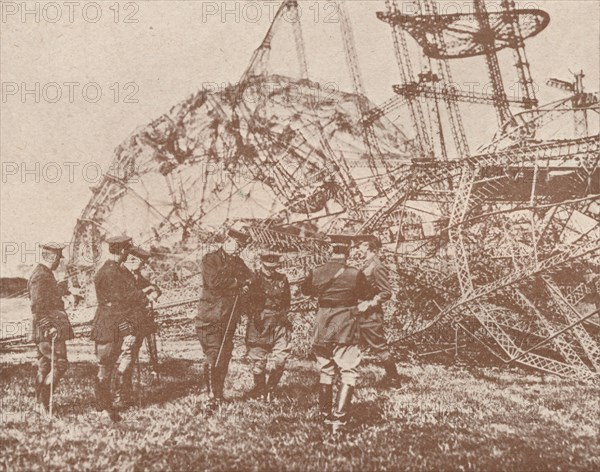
300 235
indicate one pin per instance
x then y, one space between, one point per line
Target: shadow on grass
75 394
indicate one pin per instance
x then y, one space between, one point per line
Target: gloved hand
128 341
245 289
363 306
52 333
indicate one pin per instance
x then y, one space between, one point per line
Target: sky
77 80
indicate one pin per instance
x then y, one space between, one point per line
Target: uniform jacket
378 277
120 303
337 316
148 324
47 306
270 303
222 277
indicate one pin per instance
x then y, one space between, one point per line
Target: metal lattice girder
417 176
530 359
380 111
404 62
459 209
278 239
369 138
464 36
577 293
450 93
563 342
521 63
571 314
292 5
563 254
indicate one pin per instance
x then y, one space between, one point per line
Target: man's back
336 284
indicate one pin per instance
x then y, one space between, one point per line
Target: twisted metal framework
495 243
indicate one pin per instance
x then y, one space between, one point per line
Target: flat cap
117 243
242 237
341 239
367 238
54 247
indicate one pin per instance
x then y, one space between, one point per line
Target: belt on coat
333 304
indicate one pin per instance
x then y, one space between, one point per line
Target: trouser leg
327 368
279 355
47 377
130 359
214 341
347 358
106 354
258 357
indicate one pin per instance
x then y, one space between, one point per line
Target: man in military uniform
153 293
50 323
371 323
269 328
225 279
115 324
141 318
338 288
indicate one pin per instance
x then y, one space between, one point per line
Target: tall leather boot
391 378
126 392
259 388
340 414
207 378
104 400
44 396
99 394
274 378
120 395
325 399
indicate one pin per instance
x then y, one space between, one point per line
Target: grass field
445 418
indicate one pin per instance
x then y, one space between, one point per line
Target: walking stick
226 331
51 403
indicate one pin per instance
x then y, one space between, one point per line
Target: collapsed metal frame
553 317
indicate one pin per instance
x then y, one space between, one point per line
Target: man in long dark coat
116 322
50 323
141 318
225 278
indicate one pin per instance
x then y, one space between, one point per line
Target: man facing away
226 278
50 323
338 288
371 323
269 328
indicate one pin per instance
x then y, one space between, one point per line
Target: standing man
371 323
269 328
114 325
153 293
338 288
141 323
50 324
225 280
